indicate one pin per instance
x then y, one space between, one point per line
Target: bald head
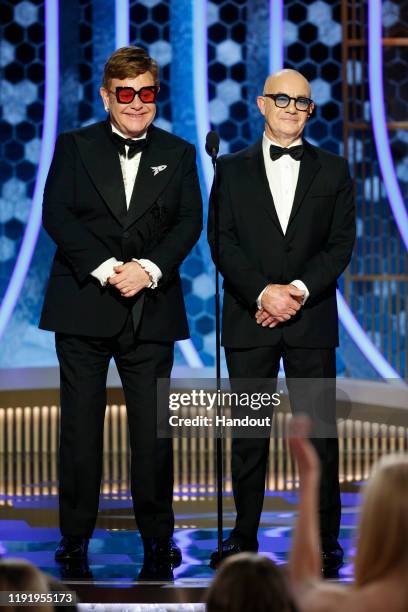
284 124
286 79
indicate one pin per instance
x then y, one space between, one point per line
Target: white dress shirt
282 174
130 169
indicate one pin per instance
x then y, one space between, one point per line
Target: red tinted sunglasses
126 95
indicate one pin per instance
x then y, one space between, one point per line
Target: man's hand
281 301
130 278
266 320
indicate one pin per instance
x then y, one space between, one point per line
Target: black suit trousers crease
250 455
84 363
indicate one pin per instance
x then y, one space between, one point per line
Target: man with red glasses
287 231
123 204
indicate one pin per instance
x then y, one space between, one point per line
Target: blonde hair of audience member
20 575
381 564
383 531
249 582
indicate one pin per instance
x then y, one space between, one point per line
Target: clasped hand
279 304
130 278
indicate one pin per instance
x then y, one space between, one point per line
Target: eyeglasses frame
274 96
136 93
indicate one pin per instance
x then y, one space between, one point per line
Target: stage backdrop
214 57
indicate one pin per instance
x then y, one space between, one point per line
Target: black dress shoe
230 547
75 570
162 551
156 571
332 561
72 548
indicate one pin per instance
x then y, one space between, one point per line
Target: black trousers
84 365
250 456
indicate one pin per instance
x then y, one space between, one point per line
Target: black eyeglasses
283 100
126 95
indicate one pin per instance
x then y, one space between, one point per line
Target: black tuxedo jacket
254 251
85 213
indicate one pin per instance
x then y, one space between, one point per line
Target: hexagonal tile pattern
85 65
21 97
204 286
229 53
330 33
212 14
26 92
6 210
229 91
161 51
290 33
390 13
7 249
150 28
319 12
14 114
218 111
32 150
7 52
229 107
321 91
25 14
22 208
312 38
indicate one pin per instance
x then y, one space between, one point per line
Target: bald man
287 229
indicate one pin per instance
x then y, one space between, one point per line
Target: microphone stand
219 445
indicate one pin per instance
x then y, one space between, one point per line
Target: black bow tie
135 146
277 152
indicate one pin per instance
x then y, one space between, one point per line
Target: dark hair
249 582
129 62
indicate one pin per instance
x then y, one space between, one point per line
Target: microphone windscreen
212 143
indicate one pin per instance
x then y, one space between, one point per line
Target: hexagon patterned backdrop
22 93
236 42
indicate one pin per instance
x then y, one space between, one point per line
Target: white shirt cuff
259 298
105 270
153 271
301 285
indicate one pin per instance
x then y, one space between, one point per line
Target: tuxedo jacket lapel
309 166
157 165
260 184
101 160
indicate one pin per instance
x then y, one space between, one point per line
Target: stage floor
29 530
29 431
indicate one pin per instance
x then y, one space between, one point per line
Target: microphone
212 144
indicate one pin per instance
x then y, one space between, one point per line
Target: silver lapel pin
157 169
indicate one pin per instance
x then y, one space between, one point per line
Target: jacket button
126 234
288 249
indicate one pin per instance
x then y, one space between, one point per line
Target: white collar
267 141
